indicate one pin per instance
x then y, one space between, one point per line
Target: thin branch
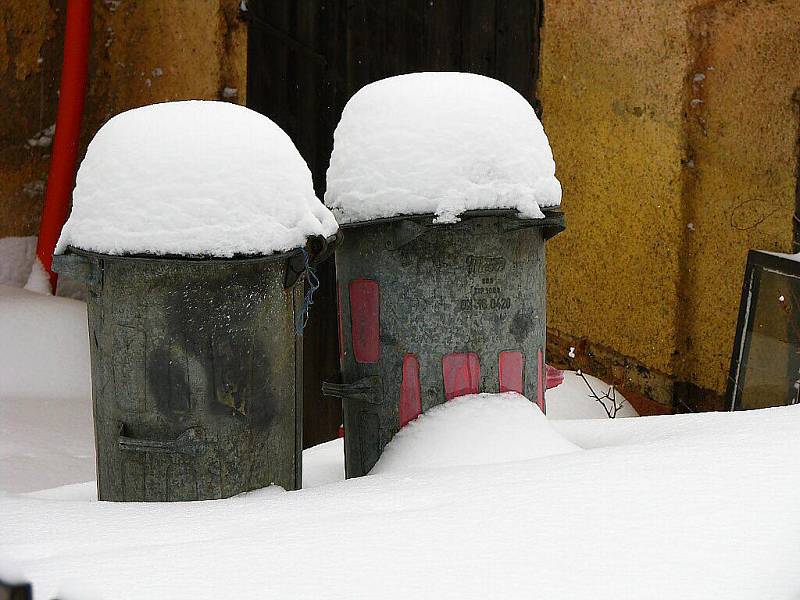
610 395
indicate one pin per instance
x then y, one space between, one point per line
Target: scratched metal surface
194 366
474 286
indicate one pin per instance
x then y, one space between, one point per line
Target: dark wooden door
306 58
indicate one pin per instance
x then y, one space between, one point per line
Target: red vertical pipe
72 94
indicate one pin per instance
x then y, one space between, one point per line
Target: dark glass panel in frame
765 363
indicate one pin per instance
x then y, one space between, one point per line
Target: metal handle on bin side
80 268
73 266
317 249
405 232
189 442
367 390
320 248
551 224
295 267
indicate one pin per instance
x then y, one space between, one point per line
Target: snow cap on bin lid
193 178
440 143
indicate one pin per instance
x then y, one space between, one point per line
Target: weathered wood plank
442 43
405 34
478 37
268 57
307 88
513 57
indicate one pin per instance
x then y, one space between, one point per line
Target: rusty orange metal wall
675 136
142 52
672 124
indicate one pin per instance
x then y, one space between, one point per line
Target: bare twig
608 400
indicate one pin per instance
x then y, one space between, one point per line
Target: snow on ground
39 279
193 177
419 143
713 516
572 399
679 507
323 464
677 428
516 427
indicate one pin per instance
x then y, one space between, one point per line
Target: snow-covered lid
440 143
193 178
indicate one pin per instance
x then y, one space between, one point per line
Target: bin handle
74 266
320 248
364 390
404 232
317 249
189 442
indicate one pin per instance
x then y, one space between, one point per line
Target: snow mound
38 280
439 143
46 435
478 429
572 399
323 464
193 178
633 521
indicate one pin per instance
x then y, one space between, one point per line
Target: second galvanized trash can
195 365
429 312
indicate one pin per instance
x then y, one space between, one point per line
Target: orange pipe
72 95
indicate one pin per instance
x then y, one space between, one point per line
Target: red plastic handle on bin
462 374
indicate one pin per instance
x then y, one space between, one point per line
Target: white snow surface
46 435
39 280
572 399
638 519
516 427
323 464
670 507
193 178
439 143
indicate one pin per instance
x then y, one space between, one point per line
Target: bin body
430 312
194 371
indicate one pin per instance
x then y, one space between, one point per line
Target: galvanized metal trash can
428 312
196 372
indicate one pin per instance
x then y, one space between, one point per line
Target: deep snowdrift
680 507
712 515
194 177
439 143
